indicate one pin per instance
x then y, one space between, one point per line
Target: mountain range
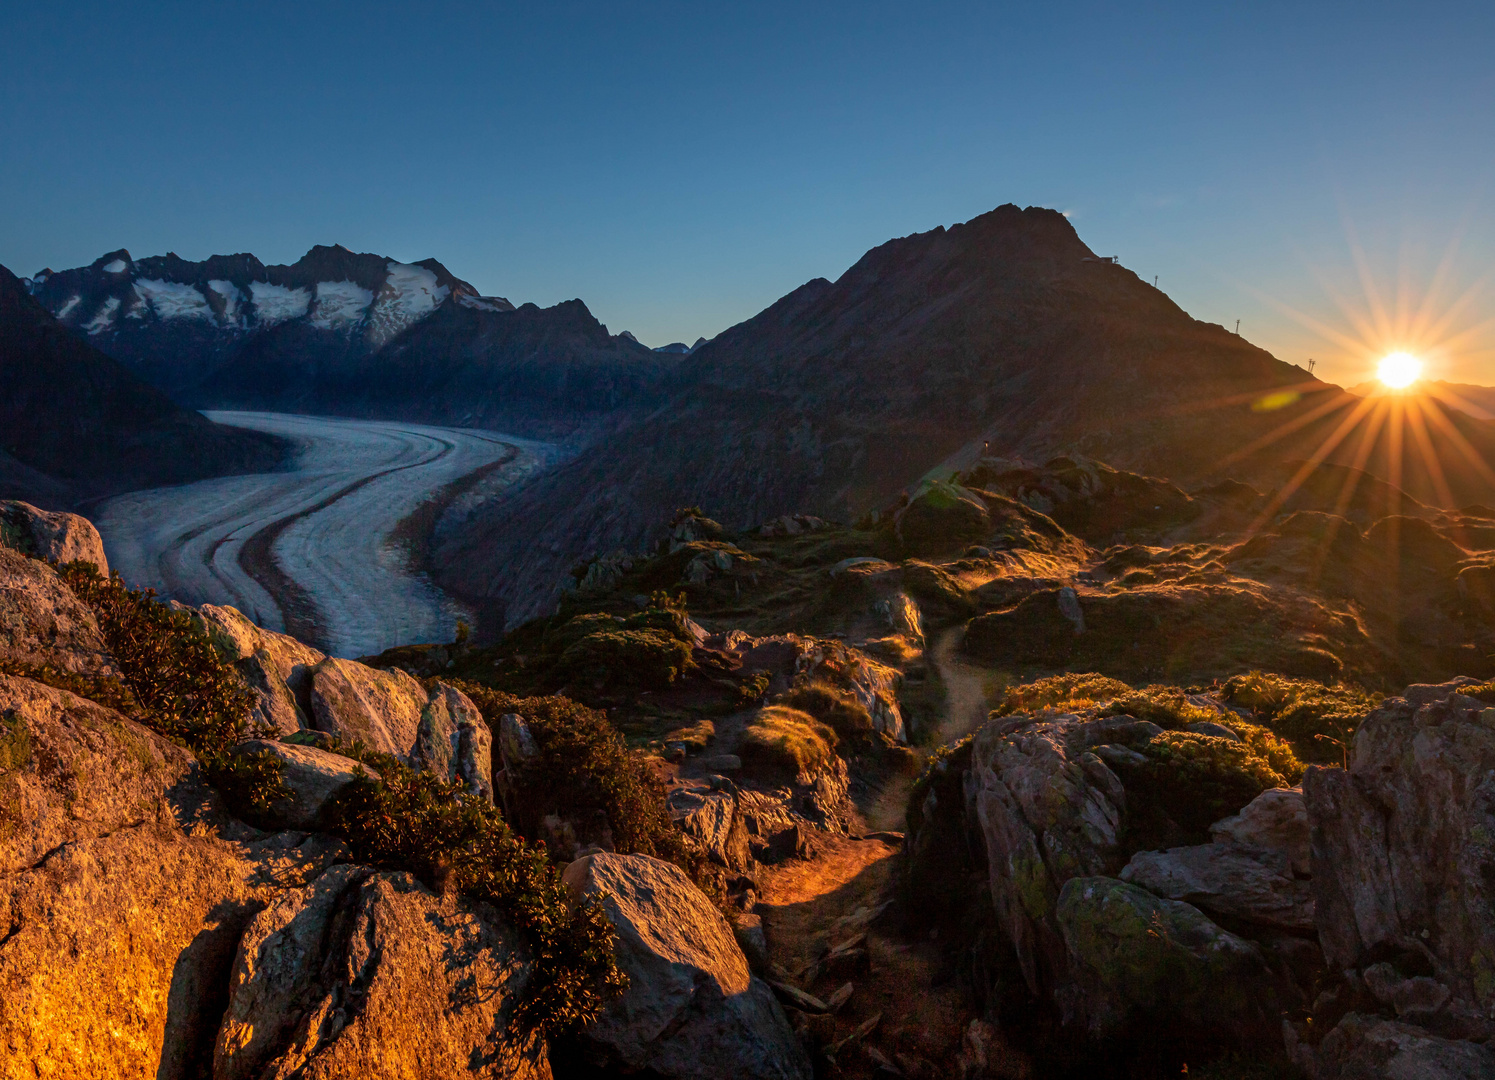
351 334
75 424
1003 336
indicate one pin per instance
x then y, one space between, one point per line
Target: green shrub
829 704
583 765
1062 692
187 691
415 822
1191 781
1317 719
781 737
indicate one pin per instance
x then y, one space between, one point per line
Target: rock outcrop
60 537
1403 849
454 742
381 709
1122 941
277 667
373 975
692 1007
123 889
43 624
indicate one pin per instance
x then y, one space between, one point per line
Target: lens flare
1399 370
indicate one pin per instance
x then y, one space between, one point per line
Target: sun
1399 370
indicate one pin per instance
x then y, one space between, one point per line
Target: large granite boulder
1369 1047
1046 816
42 624
1253 885
942 514
373 975
453 741
277 667
57 536
310 777
1255 870
355 703
123 889
692 1007
1403 851
1141 962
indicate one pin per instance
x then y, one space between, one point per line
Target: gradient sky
1305 168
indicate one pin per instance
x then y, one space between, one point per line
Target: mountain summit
1005 335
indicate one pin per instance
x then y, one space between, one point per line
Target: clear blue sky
678 167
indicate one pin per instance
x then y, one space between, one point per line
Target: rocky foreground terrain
1039 771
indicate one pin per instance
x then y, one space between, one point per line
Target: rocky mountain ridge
1004 335
351 334
76 424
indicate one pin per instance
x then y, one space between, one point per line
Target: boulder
942 514
1367 1047
692 1007
275 708
238 639
381 709
42 624
373 975
311 776
1222 879
1402 846
454 742
1045 818
1276 820
60 537
123 889
1145 963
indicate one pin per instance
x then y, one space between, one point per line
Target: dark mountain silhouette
1477 401
353 335
75 424
1002 336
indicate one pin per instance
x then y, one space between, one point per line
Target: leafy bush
829 704
107 690
786 738
1062 692
187 691
1316 718
413 821
583 764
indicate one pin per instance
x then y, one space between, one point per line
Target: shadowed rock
692 1007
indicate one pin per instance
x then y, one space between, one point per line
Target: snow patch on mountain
231 298
276 303
340 304
103 317
114 266
485 303
173 300
409 294
67 308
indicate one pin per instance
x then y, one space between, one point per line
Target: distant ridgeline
354 335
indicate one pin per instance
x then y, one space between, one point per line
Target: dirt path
835 898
